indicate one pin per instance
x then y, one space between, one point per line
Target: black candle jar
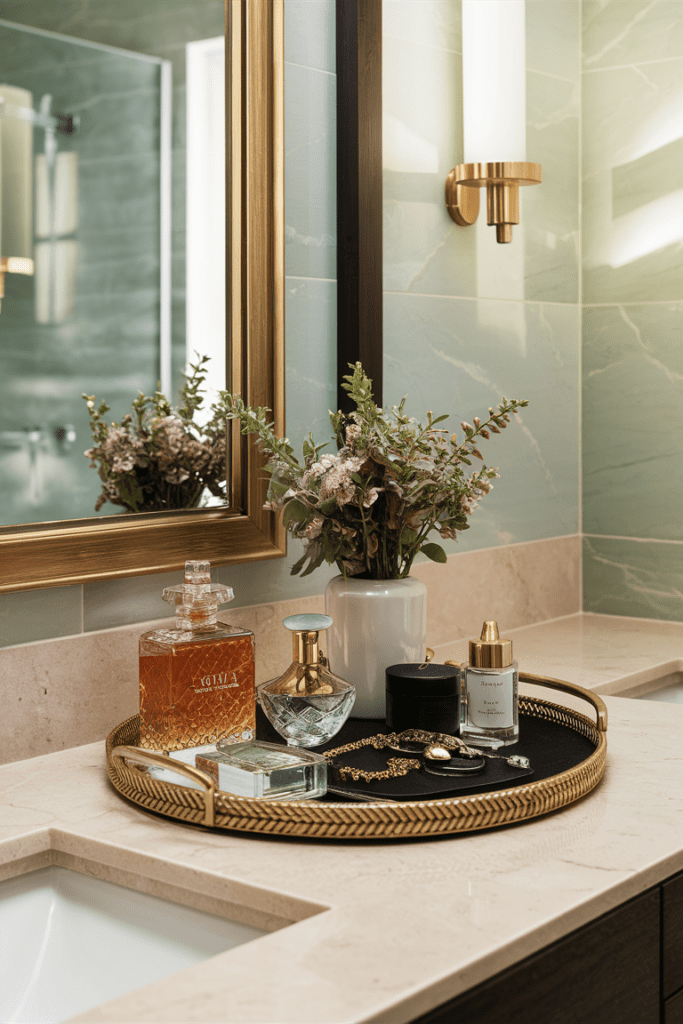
423 697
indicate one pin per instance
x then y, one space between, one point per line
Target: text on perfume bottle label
490 701
216 681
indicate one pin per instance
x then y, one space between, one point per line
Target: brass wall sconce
13 265
494 116
502 182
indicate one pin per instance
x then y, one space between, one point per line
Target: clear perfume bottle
488 698
307 704
266 770
197 680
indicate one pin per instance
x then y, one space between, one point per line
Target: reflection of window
205 248
56 218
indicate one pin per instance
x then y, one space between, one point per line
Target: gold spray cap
489 651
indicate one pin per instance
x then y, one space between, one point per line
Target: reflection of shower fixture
17 121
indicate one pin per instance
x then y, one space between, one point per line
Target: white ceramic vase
376 623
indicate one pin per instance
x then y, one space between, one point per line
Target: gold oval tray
307 818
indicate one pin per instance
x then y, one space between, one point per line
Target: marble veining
310 181
632 204
631 449
619 32
523 349
627 576
632 182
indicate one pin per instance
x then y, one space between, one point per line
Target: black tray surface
551 747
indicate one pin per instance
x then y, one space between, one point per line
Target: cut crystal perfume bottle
197 680
266 770
307 704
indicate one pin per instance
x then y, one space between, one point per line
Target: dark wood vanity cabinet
624 968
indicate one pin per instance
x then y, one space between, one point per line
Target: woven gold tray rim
346 820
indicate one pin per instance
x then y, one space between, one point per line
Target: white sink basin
69 942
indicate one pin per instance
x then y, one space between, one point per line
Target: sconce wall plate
13 265
502 181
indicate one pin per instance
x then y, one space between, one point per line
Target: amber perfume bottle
197 680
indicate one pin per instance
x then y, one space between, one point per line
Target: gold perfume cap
489 651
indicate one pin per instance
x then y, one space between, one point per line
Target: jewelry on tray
430 739
440 754
396 766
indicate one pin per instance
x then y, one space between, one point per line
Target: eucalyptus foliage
371 506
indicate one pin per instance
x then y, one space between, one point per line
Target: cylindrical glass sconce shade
494 80
16 174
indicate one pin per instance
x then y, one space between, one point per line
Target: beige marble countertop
363 931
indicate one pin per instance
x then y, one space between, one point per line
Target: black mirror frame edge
359 192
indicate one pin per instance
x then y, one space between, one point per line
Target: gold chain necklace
435 745
396 766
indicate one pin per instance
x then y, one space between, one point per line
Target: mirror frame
84 550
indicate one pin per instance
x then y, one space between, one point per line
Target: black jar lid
422 680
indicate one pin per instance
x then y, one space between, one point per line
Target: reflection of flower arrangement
157 458
393 480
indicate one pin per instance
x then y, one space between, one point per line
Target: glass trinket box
265 770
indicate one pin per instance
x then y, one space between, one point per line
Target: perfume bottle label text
490 700
216 681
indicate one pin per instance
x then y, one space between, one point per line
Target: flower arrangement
157 457
370 506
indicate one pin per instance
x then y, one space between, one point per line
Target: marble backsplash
632 99
72 690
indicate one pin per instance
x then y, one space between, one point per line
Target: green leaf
315 563
299 564
408 536
434 551
295 512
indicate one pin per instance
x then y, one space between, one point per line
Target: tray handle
562 684
163 761
578 691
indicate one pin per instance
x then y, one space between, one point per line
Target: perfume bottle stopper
305 676
489 651
197 599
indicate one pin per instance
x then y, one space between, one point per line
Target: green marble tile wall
118 235
109 342
467 320
310 301
633 313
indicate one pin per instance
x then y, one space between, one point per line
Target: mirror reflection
112 167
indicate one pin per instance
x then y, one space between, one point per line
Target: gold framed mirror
52 554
